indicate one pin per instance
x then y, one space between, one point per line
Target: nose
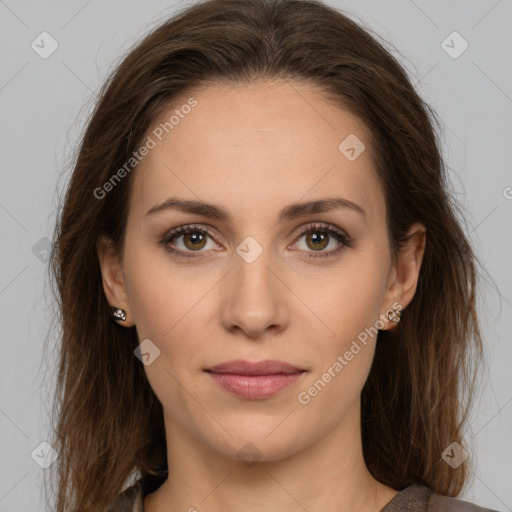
254 298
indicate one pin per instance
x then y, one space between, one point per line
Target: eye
193 240
320 236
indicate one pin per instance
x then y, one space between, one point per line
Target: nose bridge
251 271
253 297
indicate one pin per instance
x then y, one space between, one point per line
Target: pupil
196 237
318 239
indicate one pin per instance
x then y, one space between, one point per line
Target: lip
242 367
254 380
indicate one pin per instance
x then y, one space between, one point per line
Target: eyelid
322 226
303 229
342 237
179 230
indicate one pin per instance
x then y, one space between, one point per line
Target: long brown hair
109 423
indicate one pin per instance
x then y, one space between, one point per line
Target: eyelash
339 235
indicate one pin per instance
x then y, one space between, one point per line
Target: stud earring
394 315
118 314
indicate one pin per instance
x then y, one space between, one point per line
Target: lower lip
254 387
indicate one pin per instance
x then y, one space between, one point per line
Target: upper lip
267 367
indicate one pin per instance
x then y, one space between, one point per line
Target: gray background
44 103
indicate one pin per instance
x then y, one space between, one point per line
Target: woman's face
243 283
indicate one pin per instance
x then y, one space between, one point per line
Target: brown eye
186 240
194 240
317 237
317 240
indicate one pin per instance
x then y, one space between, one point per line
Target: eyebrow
289 212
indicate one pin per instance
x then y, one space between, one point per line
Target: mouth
255 381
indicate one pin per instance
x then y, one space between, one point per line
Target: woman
259 204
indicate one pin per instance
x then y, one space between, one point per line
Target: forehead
256 147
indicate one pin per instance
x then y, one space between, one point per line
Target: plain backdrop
43 113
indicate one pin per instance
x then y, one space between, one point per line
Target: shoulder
415 498
130 500
439 503
420 498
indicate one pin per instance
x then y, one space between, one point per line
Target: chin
251 445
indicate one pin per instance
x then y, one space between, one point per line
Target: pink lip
254 381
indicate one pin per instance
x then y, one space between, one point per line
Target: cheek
348 306
169 305
332 397
351 309
158 295
348 301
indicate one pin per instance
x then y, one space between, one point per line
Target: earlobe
113 281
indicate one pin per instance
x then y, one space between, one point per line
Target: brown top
414 498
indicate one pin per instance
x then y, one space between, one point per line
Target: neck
329 474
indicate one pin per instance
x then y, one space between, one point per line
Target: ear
404 275
113 278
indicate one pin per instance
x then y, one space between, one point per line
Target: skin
254 149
